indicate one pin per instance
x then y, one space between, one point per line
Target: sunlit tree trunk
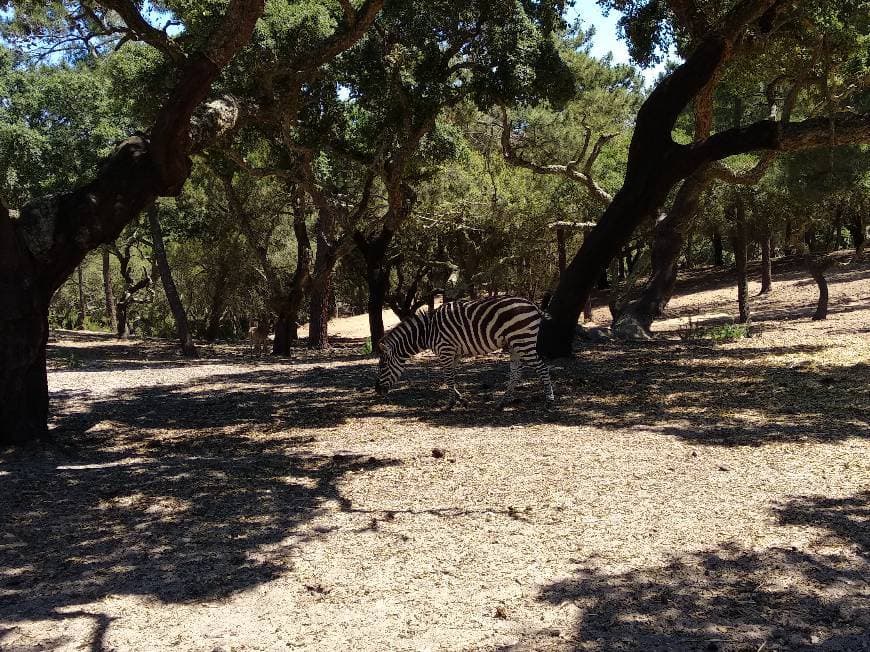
738 241
175 304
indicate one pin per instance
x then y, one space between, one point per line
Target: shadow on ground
731 598
178 519
692 390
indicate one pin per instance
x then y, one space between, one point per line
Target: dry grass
685 496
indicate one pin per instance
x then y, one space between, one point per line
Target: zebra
467 328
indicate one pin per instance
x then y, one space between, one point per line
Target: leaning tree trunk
80 318
766 271
668 240
175 305
738 240
108 294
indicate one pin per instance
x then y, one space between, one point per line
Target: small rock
501 613
438 453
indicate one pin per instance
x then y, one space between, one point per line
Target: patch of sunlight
105 465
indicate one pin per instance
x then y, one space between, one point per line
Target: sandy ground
685 496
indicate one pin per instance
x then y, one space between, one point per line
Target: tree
42 247
656 162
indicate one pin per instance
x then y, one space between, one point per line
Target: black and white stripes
467 328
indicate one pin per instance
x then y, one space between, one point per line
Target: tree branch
568 171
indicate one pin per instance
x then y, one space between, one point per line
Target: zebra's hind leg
516 365
543 371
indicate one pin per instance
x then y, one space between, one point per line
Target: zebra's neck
414 335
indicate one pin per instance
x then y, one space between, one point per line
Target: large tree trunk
23 338
53 234
766 268
175 305
374 251
668 240
738 241
319 311
108 294
80 318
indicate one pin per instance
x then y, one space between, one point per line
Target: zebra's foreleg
516 365
447 360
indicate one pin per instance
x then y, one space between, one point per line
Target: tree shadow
733 598
693 390
188 517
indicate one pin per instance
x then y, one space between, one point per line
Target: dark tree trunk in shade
23 337
766 269
108 293
739 244
817 266
319 312
718 249
175 304
855 227
668 240
80 317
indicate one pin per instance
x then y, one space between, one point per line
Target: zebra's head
406 339
389 368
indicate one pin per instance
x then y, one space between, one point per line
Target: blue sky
606 39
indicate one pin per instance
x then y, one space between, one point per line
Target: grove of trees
183 168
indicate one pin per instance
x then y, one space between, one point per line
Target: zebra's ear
381 347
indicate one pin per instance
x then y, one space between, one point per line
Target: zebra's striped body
467 328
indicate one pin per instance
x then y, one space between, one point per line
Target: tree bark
401 200
188 349
668 241
817 266
318 318
738 241
23 338
766 270
856 232
42 248
109 295
80 318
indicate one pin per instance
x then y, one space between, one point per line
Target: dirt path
685 497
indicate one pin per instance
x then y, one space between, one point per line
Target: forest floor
685 495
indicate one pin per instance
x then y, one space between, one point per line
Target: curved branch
568 171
